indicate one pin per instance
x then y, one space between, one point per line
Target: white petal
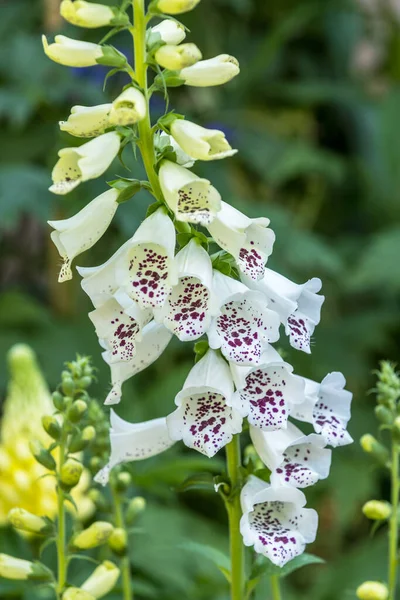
214 71
332 410
87 121
199 142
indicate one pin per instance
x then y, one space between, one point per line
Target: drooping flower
186 311
267 393
170 32
176 7
72 53
130 107
102 580
327 407
242 325
199 142
155 338
15 568
274 520
87 121
248 240
191 198
214 71
134 441
84 162
119 323
298 305
293 458
171 56
79 233
204 420
90 14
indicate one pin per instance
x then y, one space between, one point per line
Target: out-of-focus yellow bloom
22 482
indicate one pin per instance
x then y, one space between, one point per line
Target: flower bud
175 7
26 521
85 382
95 464
102 580
51 426
75 53
68 386
135 507
16 568
168 31
130 107
215 71
377 510
372 590
76 411
70 473
87 121
200 143
74 593
58 401
383 414
177 57
118 541
98 499
82 439
377 450
91 15
42 455
95 535
396 429
123 481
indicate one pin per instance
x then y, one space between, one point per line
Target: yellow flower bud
95 535
135 507
70 473
176 7
118 541
372 590
371 446
177 57
76 411
74 593
130 107
86 14
102 580
26 521
377 510
14 568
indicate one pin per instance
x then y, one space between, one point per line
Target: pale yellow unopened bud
71 472
86 14
102 580
367 442
26 521
130 107
95 535
14 568
177 57
214 71
176 7
74 593
118 541
377 510
135 507
372 590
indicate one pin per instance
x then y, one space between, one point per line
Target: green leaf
263 566
216 556
199 481
183 239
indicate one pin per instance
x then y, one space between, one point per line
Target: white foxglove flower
243 325
84 162
75 235
327 407
155 338
191 198
275 522
214 71
186 311
170 32
130 107
267 393
102 580
182 159
248 240
292 457
175 57
86 14
87 121
72 53
176 7
199 142
119 323
134 441
298 305
204 420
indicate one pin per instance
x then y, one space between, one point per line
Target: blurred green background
315 115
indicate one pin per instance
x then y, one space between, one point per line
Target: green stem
234 514
61 537
393 528
127 591
275 587
146 143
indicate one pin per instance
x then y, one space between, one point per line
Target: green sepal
112 58
42 455
199 481
127 188
40 573
183 239
167 79
166 121
120 19
182 227
200 349
153 207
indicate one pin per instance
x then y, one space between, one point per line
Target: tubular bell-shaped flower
134 441
102 580
199 142
294 458
84 162
175 57
176 7
170 32
298 305
191 198
267 393
248 240
72 53
275 522
86 14
204 420
79 233
214 71
242 325
186 311
130 107
327 407
87 121
155 338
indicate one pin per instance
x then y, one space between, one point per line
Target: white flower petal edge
199 142
203 419
214 71
243 325
155 338
294 458
186 311
87 121
191 198
134 441
79 233
248 240
84 162
275 522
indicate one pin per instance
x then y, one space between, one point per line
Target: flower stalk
127 591
233 459
393 524
61 533
275 587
